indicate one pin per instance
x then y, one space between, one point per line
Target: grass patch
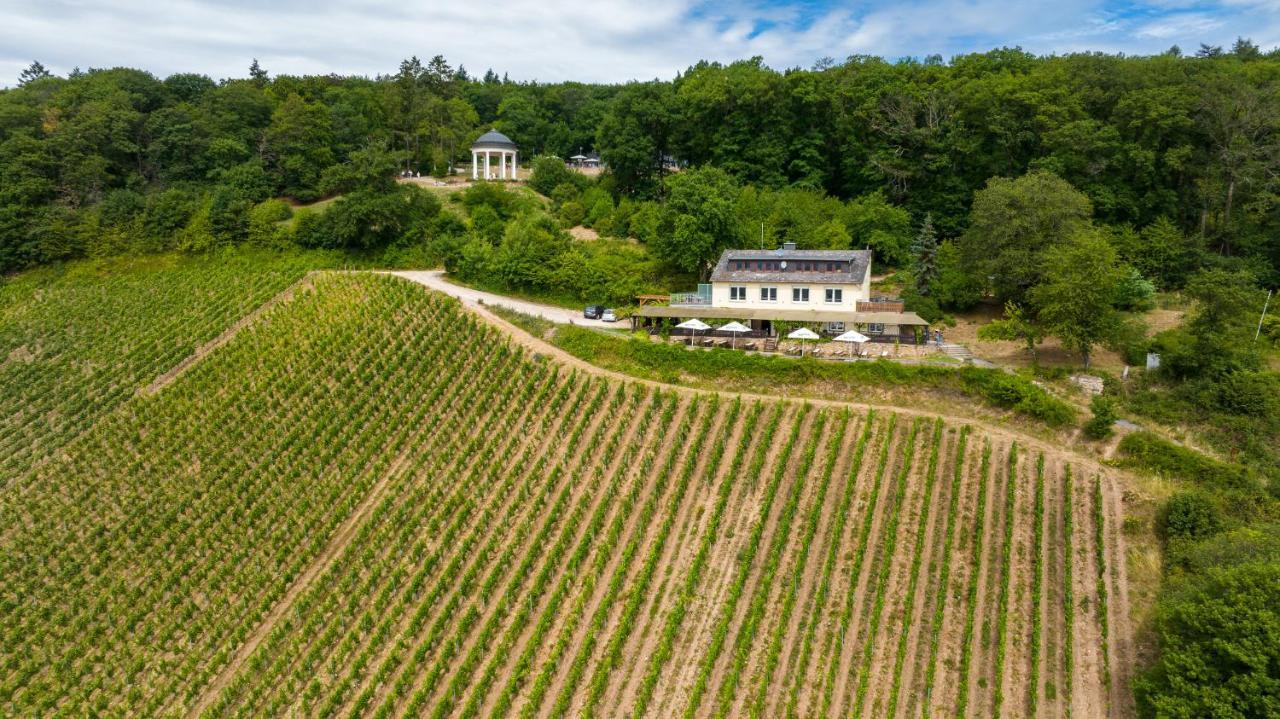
1149 451
533 324
673 363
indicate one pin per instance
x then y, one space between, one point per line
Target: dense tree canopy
1220 646
1179 154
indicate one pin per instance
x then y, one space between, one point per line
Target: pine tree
257 74
925 251
35 71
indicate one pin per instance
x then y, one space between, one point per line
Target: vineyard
370 503
76 344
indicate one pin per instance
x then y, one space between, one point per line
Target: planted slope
77 342
370 504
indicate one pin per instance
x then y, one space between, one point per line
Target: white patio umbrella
852 336
735 328
802 334
695 324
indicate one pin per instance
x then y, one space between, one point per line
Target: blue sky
593 40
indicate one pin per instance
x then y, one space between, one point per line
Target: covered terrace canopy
734 313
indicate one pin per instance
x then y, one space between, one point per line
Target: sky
588 40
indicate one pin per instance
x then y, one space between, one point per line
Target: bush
600 213
1233 547
265 228
1104 416
549 173
572 214
1271 327
1135 293
1149 451
1190 515
1014 392
1252 393
1219 649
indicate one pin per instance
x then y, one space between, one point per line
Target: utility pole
1263 316
762 234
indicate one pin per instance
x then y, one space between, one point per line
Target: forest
1155 143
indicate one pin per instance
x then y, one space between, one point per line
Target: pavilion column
502 169
475 169
515 164
486 164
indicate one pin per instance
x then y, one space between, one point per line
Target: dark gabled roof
859 263
493 138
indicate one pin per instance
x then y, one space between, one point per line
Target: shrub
265 228
1149 451
1252 393
1104 416
1190 515
1014 392
1135 292
1218 648
572 214
550 173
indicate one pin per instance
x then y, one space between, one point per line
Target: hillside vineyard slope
369 502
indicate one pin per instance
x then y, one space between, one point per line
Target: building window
835 295
768 294
799 294
875 328
738 294
835 327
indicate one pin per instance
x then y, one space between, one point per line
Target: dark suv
593 312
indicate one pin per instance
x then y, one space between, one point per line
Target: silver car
609 316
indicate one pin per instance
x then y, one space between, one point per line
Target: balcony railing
701 298
690 298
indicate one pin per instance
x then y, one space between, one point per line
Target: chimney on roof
788 245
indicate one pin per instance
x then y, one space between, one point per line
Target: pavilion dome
493 140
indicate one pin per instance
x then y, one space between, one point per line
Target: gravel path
435 279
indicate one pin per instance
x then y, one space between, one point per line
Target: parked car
609 316
593 312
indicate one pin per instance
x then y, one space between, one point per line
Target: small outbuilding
494 143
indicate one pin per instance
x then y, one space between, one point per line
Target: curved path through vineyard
470 297
475 301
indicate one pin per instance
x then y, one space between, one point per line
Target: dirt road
435 279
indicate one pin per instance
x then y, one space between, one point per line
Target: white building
830 289
788 278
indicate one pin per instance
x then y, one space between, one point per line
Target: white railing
690 298
701 298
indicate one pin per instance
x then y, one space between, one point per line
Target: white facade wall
852 294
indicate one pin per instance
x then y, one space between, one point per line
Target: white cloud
1184 25
600 40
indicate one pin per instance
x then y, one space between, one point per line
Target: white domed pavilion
494 143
